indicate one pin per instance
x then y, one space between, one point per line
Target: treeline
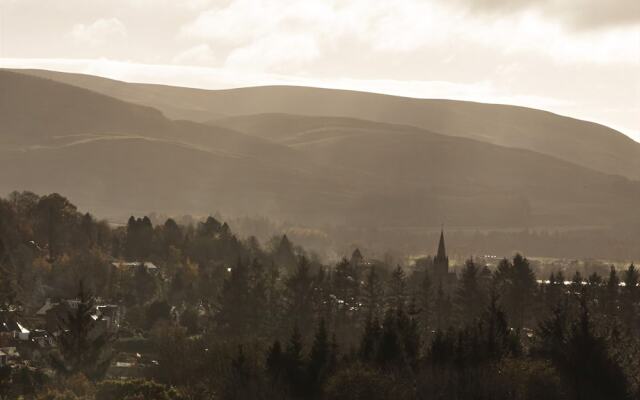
588 243
232 319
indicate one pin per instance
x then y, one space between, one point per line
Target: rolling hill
580 142
113 157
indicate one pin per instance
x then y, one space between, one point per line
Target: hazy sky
574 57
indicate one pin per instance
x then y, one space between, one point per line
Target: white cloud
99 32
275 53
247 27
201 54
575 14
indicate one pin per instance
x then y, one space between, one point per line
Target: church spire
441 261
442 252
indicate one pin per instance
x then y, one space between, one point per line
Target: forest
170 311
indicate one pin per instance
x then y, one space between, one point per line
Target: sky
574 57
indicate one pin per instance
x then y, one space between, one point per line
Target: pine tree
294 363
370 339
425 297
319 358
630 302
409 332
498 339
300 297
397 295
611 294
235 313
276 362
372 294
470 298
284 254
586 362
346 288
83 347
390 352
517 287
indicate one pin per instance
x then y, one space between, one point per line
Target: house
11 328
21 333
52 312
39 345
130 266
110 315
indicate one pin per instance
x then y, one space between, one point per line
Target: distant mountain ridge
584 143
114 157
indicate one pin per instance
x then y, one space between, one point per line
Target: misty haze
272 199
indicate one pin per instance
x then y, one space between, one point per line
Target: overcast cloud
574 57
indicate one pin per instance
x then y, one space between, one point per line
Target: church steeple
441 261
442 252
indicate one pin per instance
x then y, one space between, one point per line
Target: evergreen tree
630 304
585 360
346 288
517 286
372 294
409 331
425 300
610 297
370 339
294 363
397 294
83 347
390 352
498 339
300 297
319 359
284 255
235 313
276 362
470 299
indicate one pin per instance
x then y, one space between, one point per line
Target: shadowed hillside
437 171
584 143
120 156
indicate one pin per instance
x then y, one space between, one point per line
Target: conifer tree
397 294
470 298
294 363
235 313
319 358
611 294
517 287
372 294
83 347
276 362
370 339
300 297
630 302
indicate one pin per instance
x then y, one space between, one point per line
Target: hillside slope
112 155
117 157
430 173
584 143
